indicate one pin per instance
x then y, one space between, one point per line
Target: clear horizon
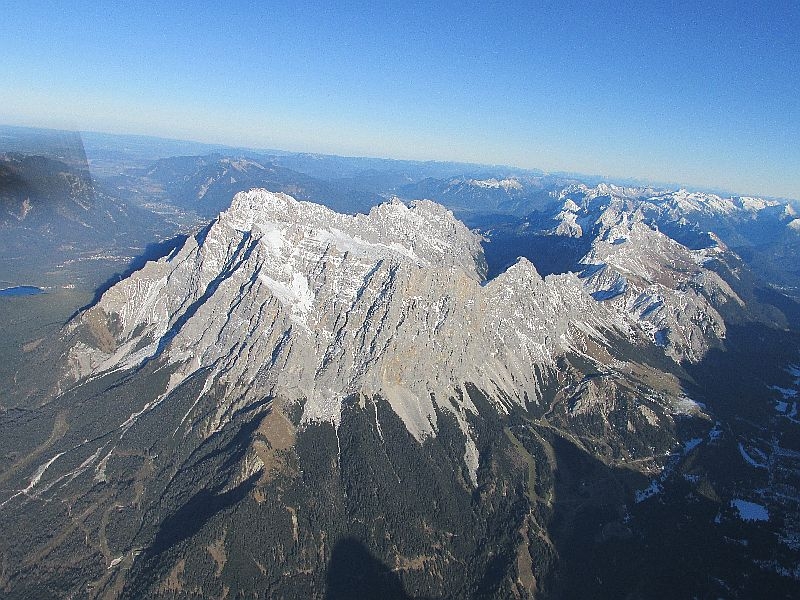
705 97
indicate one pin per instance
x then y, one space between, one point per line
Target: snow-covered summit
674 205
425 232
509 183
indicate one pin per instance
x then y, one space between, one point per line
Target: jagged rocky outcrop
653 257
661 285
658 244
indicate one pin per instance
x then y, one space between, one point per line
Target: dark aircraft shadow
354 573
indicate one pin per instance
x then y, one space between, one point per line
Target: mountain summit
286 298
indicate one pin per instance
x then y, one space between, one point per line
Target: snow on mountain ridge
509 183
287 298
676 204
424 231
660 284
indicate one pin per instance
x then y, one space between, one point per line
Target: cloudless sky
701 93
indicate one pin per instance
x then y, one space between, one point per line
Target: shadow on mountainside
666 547
684 541
152 252
354 573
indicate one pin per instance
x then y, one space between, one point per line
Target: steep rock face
661 285
286 298
652 280
761 231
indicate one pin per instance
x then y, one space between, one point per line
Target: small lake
21 290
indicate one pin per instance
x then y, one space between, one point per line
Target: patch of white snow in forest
749 459
687 406
750 511
691 444
785 392
653 489
716 432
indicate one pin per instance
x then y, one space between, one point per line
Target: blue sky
701 93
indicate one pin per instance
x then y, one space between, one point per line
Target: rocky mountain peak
425 232
282 298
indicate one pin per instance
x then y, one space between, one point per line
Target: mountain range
584 391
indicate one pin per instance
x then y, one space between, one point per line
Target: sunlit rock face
286 298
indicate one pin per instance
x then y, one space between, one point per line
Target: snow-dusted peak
585 195
661 284
754 205
286 298
684 203
522 272
509 183
672 204
260 206
424 232
606 189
